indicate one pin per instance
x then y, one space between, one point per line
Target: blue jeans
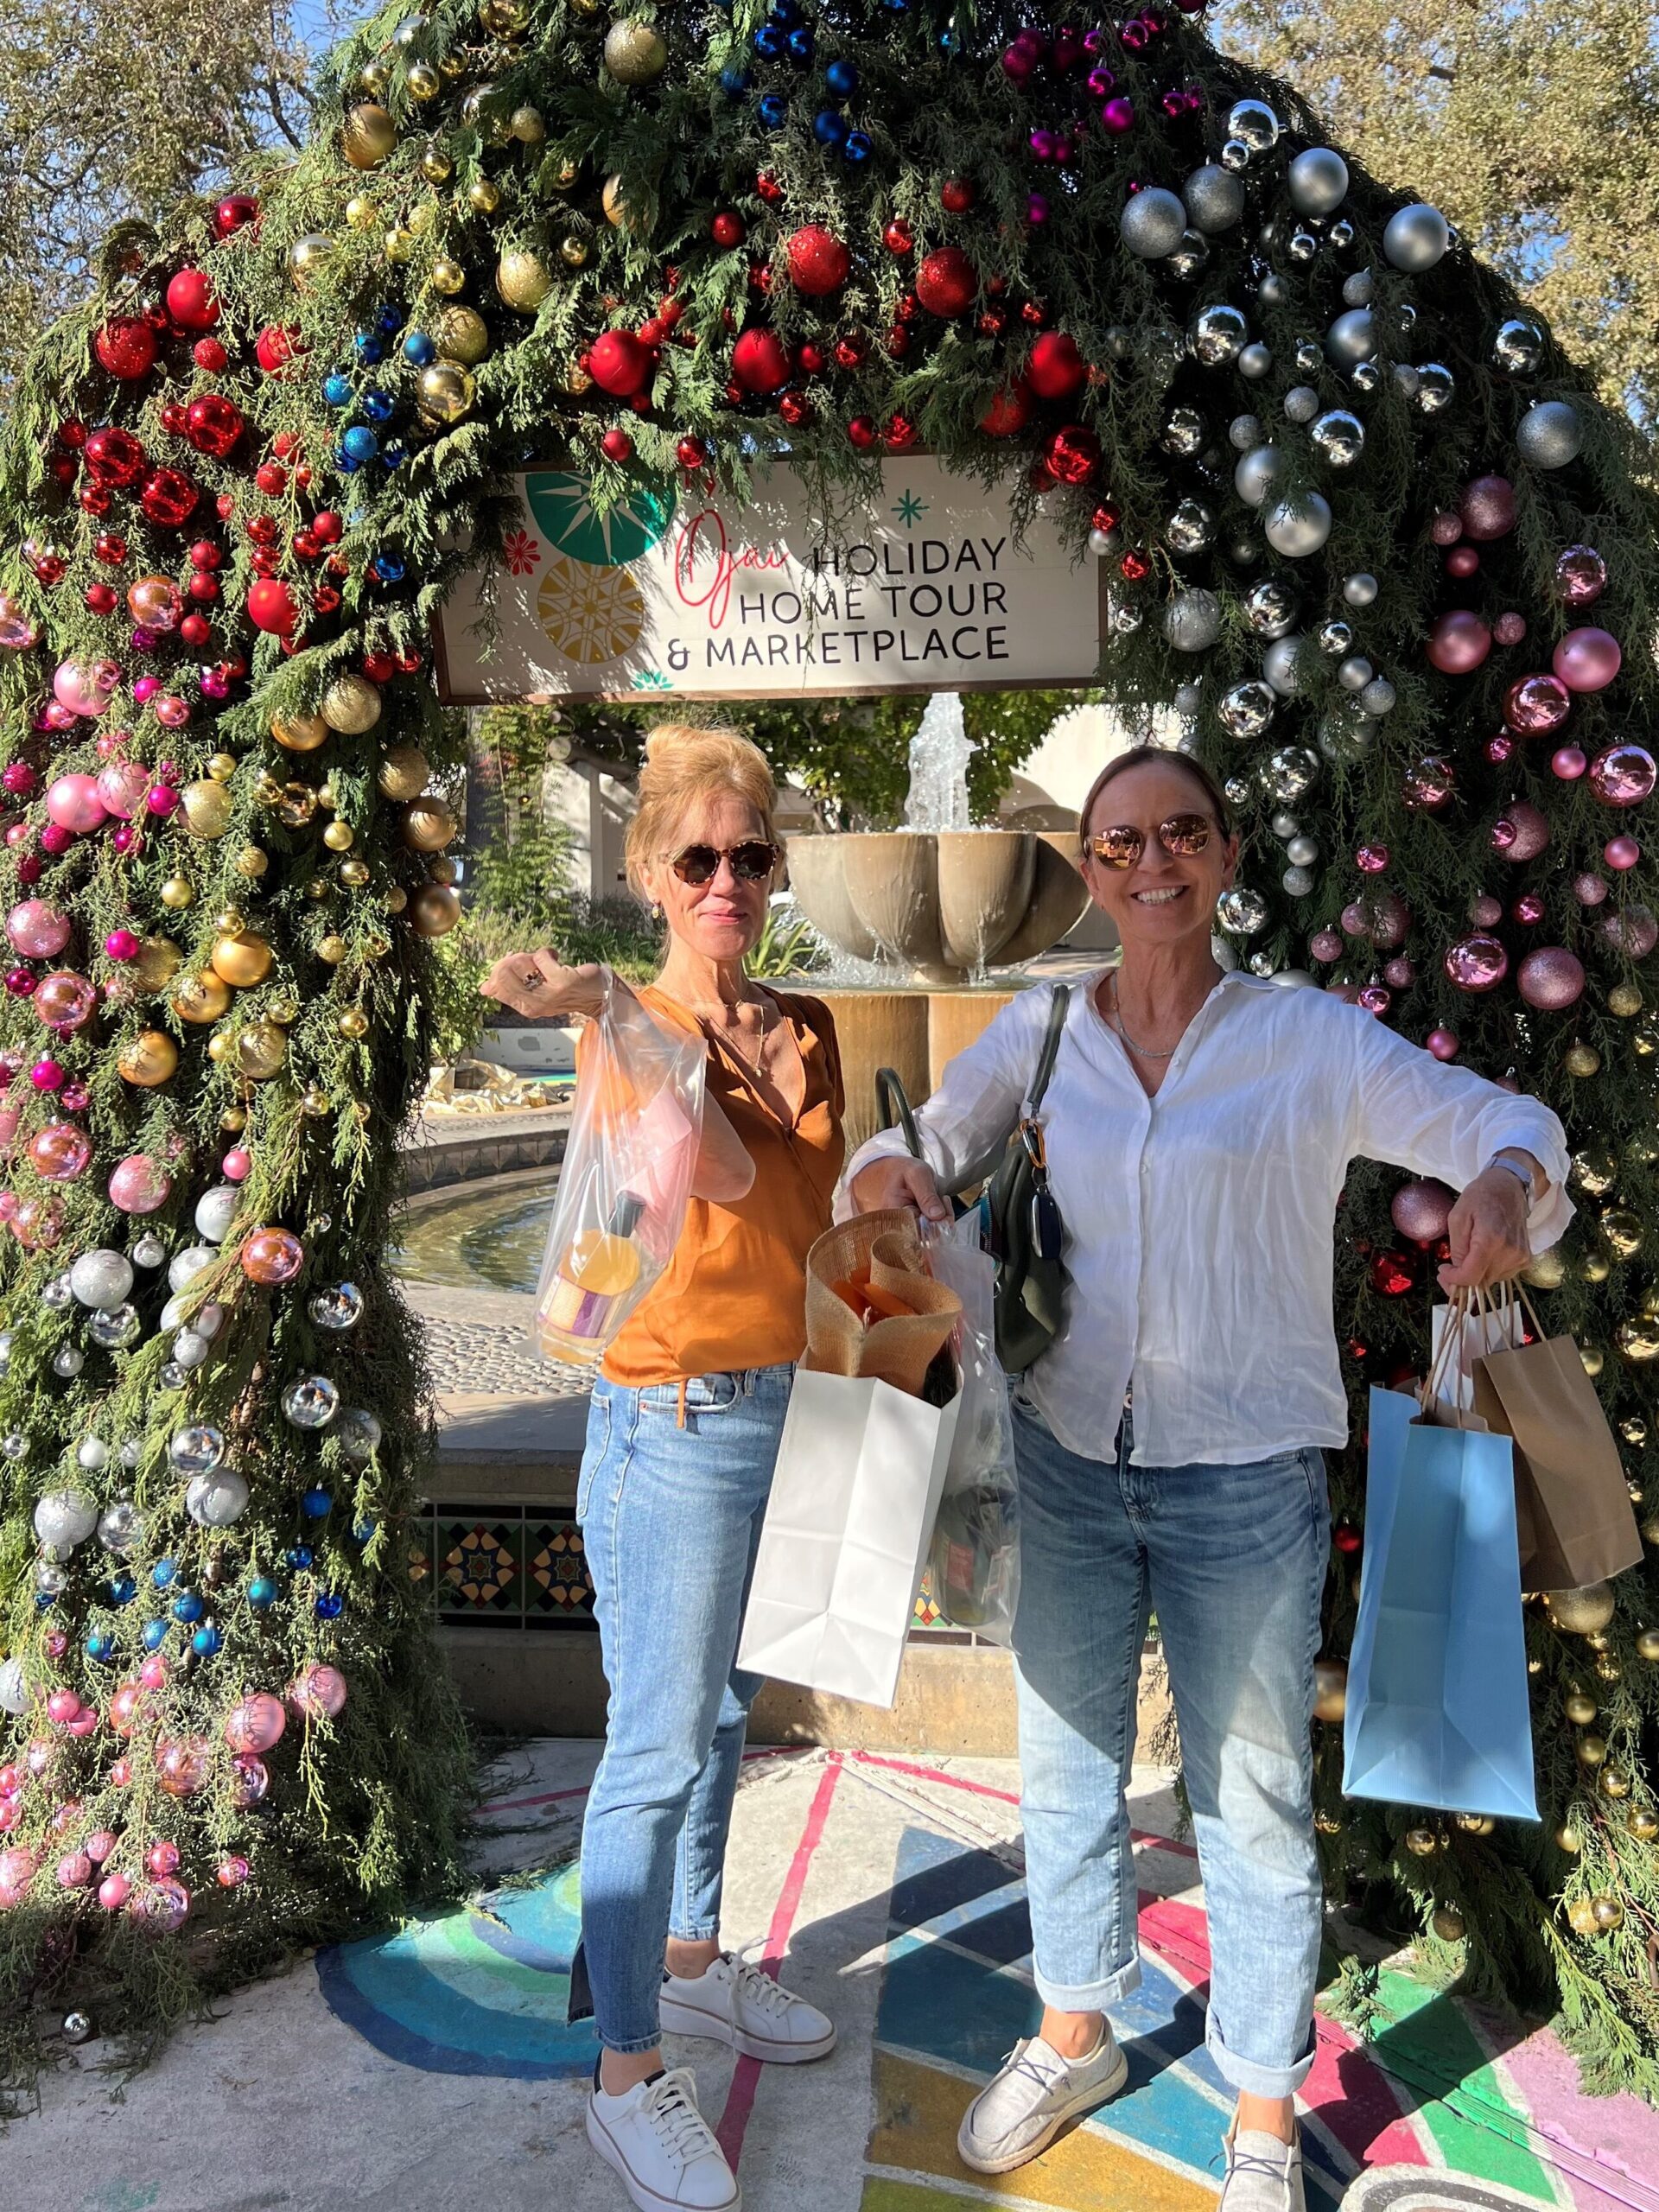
671 1520
1232 1560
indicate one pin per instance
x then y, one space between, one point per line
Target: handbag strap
893 1106
1050 1052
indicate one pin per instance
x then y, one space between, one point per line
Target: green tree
1534 126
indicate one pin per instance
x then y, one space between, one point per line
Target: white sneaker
1263 2174
655 2138
735 2004
1032 2099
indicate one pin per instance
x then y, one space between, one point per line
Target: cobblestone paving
478 1341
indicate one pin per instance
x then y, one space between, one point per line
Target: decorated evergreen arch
1360 517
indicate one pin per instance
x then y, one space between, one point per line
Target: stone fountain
938 903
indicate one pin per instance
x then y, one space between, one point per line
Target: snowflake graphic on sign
590 614
563 507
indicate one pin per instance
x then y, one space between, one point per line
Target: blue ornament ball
733 81
347 463
841 78
337 390
316 1503
188 1608
369 347
122 1590
857 146
774 111
420 350
361 443
394 453
206 1641
154 1635
364 1530
100 1647
376 406
298 1557
802 45
262 1592
390 322
769 41
330 1605
828 127
163 1572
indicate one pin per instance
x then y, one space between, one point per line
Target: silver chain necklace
1142 1052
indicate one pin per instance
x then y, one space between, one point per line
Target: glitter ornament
1551 978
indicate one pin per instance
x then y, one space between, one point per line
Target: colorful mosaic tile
478 1565
558 1587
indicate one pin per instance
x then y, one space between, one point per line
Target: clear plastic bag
626 1178
974 1555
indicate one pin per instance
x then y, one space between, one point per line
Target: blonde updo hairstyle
685 766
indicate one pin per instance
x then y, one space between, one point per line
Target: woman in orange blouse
683 1437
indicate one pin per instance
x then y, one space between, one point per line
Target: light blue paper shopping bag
1438 1711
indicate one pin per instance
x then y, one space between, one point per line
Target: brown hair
684 764
1168 758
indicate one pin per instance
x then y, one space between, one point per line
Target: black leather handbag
1024 1232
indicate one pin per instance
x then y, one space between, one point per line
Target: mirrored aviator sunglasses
1181 835
752 863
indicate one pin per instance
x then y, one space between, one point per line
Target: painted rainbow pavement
1445 2108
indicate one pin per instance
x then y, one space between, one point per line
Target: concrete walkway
430 2070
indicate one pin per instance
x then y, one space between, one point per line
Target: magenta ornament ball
1633 932
1443 1045
74 803
38 929
1528 908
256 1723
1550 979
1526 832
1500 748
139 1184
1477 963
1510 629
1421 1211
1622 853
1588 660
1447 528
1624 775
159 1907
1326 945
1537 705
1568 763
1458 643
1462 563
1581 576
1487 507
64 1000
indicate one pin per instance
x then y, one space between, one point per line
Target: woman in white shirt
1199 1129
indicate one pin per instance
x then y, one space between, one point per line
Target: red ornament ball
1346 1538
274 347
957 194
196 630
1057 369
900 435
1462 561
809 360
1392 1274
1009 412
272 607
213 425
850 350
1072 454
947 282
819 262
115 457
272 1257
126 348
1134 567
761 361
616 445
769 188
190 299
168 498
861 433
728 228
899 238
691 453
619 364
174 417
796 410
234 213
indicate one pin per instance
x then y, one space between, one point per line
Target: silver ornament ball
1246 710
1214 199
311 1402
1299 882
1517 348
1351 338
1217 334
1301 404
1290 774
1436 387
1354 673
217 1499
1318 181
1243 432
1550 435
1242 913
102 1277
1338 437
1415 239
1360 588
1152 223
1256 473
1254 123
1192 621
1255 360
1298 526
1270 606
1378 698
1191 529
1279 664
1359 290
1302 852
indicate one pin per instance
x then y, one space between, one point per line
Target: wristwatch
1520 1173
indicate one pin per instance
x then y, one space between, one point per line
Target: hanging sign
925 588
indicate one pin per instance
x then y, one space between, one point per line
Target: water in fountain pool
939 753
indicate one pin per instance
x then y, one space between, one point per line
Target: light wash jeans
1232 1560
671 1520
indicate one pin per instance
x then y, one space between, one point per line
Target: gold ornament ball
566 176
447 275
1613 1781
421 216
483 197
361 213
1608 1913
396 899
318 887
252 862
351 705
285 1011
428 825
1607 1669
1583 1612
422 81
1330 1689
1474 1823
460 334
367 136
1567 1839
1592 1359
157 963
443 869
232 1119
1599 1640
1581 1917
1634 1430
1594 1170
1327 1823
148 1060
178 891
218 1044
221 766
1644 1038
333 949
400 244
353 1022
354 873
373 77
300 733
1594 1266
507 18
588 9
1637 1340
446 394
526 125
574 250
201 998
452 66
436 166
260 1050
206 807
1579 1709
314 1103
434 910
1546 1270
402 772
1592 1750
1642 1822
1624 1000
296 805
577 380
1581 1059
339 837
310 258
1621 1231
243 958
1448 1924
1421 1843
1647 1643
618 213
635 52
523 279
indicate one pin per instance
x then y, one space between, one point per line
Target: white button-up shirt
1199 1221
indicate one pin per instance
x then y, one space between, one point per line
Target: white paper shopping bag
859 1471
1494 1330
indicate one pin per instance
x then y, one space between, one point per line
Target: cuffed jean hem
708 1935
633 2046
1243 2073
1089 1996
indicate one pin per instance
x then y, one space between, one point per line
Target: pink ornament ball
232 1872
1487 507
1581 576
1500 748
99 1844
1624 775
75 1871
38 929
74 803
126 1708
1537 705
1447 528
1527 831
1634 931
1374 999
122 944
162 1908
1527 909
154 1672
120 1773
317 1692
1371 860
61 1706
1117 117
171 711
1568 763
18 779
1621 853
256 1723
1399 973
1324 945
162 1858
1390 920
84 688
1587 660
61 1153
121 788
83 1724
236 1164
250 1780
1510 629
1458 643
65 1001
1550 979
1443 1045
18 1867
1353 920
1421 1210
1477 963
1589 890
1462 563
139 1185
113 1891
181 1763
